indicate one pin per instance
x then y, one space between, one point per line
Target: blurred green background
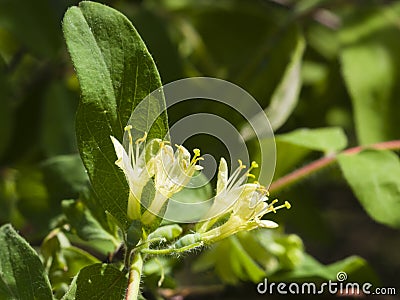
349 78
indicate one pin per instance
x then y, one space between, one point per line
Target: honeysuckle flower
229 190
138 167
246 205
173 172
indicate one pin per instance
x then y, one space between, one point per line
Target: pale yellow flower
243 204
138 167
173 171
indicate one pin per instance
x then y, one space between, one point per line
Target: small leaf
374 177
115 72
22 275
246 264
62 260
292 147
100 281
331 139
86 225
70 294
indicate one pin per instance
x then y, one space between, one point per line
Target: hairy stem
172 250
135 272
324 162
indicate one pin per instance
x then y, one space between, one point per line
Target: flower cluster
237 206
171 171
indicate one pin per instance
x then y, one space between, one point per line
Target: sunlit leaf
294 146
115 72
86 226
22 275
374 177
98 281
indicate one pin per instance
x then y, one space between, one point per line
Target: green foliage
63 261
294 146
252 256
325 73
370 63
86 226
115 72
374 177
22 275
98 281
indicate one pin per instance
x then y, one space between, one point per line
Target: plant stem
135 272
172 250
324 162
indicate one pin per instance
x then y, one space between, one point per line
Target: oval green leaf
374 177
115 72
22 275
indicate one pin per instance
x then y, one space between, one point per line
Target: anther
288 205
128 129
241 165
142 139
271 205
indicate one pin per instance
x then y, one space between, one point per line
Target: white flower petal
267 224
123 161
222 175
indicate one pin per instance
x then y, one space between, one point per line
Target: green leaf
370 62
21 271
294 146
62 260
86 225
374 177
70 294
331 139
115 73
245 263
285 96
99 281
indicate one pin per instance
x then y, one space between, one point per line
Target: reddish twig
323 162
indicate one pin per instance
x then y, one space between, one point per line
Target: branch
324 162
135 272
